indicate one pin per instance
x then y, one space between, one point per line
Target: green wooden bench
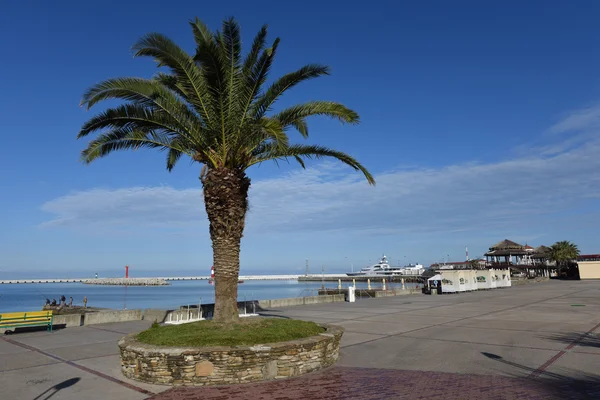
28 318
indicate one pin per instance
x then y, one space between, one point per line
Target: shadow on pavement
574 386
581 339
28 329
48 393
267 314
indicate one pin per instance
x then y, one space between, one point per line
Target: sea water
32 296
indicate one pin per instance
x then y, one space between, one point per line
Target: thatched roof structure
507 245
541 252
507 248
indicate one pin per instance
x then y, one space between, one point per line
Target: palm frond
255 135
299 124
257 46
174 154
208 57
295 116
264 102
126 138
171 82
256 77
230 45
145 118
270 152
144 92
167 53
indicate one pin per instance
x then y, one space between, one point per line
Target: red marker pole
127 271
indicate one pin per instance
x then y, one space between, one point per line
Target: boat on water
384 268
381 268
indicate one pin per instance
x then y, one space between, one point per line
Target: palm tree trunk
226 202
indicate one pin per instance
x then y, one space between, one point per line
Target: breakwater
166 278
127 281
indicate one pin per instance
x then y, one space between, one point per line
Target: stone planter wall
226 365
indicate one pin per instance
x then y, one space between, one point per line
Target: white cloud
331 198
536 189
579 120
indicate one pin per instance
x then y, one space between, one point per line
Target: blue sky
480 122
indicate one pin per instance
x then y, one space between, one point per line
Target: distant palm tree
213 107
563 252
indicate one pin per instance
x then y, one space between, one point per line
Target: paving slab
583 367
23 360
398 352
8 348
81 352
487 336
380 328
346 315
124 327
520 325
403 317
352 338
319 320
61 382
447 312
589 343
68 337
540 315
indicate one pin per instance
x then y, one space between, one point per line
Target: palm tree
214 108
563 252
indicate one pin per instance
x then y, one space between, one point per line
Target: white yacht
381 268
384 268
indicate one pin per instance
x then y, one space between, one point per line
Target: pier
361 278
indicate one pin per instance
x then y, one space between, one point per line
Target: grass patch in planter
246 332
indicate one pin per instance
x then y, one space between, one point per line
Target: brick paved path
367 383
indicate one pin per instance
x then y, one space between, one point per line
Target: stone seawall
300 301
103 317
226 365
368 293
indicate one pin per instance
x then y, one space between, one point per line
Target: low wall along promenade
226 365
247 307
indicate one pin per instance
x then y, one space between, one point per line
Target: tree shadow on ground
580 339
269 315
571 384
29 329
48 393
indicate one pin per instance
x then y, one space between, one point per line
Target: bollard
369 283
354 283
351 297
383 284
403 288
339 283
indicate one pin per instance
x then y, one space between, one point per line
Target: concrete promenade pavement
536 341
